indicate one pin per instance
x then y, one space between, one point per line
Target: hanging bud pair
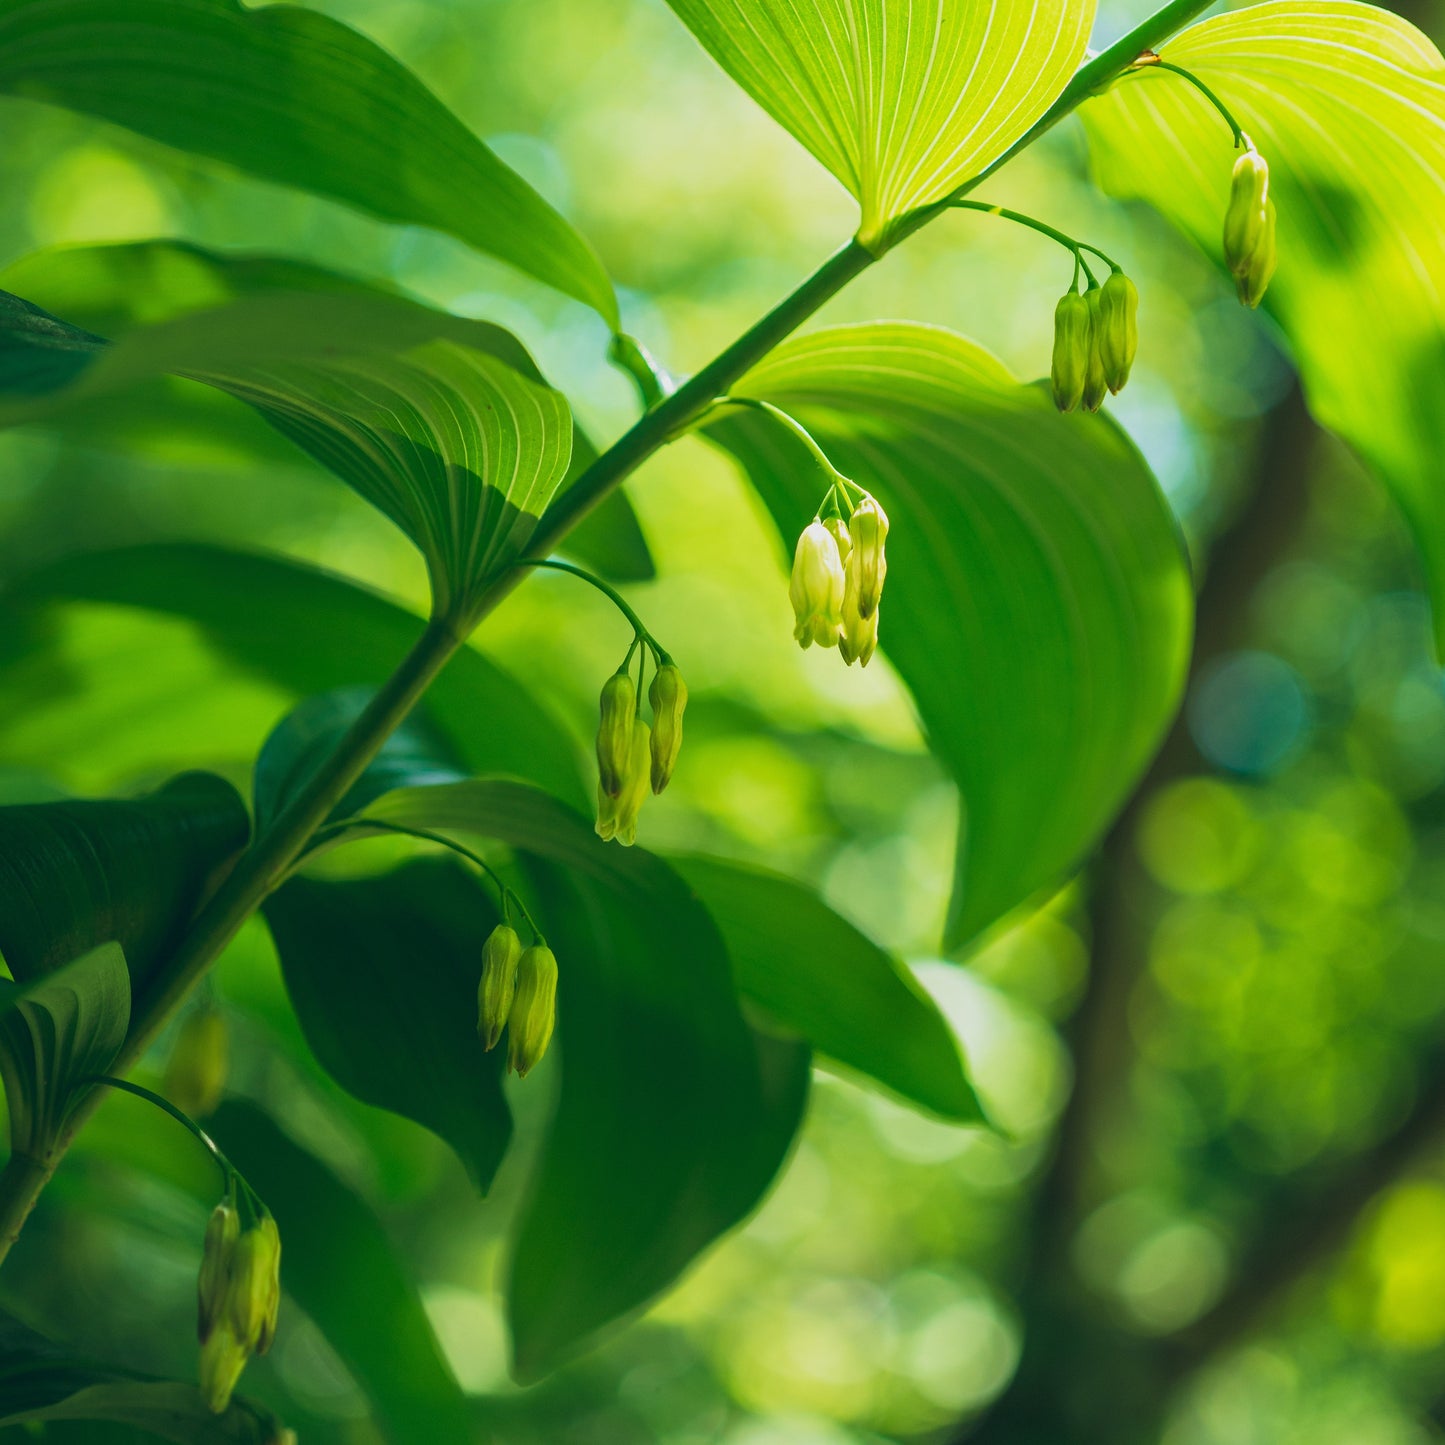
630 755
1096 337
1249 227
238 1297
518 992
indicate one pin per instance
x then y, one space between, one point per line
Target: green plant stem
555 564
793 425
1240 139
1018 217
228 1170
268 858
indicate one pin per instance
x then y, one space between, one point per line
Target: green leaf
414 755
672 1118
114 289
341 1268
383 975
901 99
1038 603
81 873
815 973
54 1031
292 96
41 1382
95 684
423 414
1347 104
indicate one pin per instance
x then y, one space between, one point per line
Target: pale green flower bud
858 638
1254 280
499 982
1073 327
195 1076
614 731
668 696
1096 385
617 817
839 530
223 1357
222 1230
1244 219
253 1293
1118 328
867 563
534 1009
816 589
240 1295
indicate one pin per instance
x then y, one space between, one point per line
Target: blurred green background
1233 1229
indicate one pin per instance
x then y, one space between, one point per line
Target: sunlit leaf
296 97
112 289
673 1117
41 1382
814 972
78 873
1038 602
1347 103
55 1031
421 413
383 975
341 1268
900 99
126 660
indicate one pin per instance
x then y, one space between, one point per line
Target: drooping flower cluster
838 574
631 756
1249 227
238 1296
518 993
1096 337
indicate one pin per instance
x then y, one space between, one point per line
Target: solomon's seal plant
419 824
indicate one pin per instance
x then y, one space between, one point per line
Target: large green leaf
110 290
1347 103
1038 602
292 96
383 974
672 1118
40 1381
815 973
128 690
55 1031
901 99
340 1267
80 873
425 415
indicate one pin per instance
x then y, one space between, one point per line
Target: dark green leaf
91 686
40 1381
414 755
1347 104
116 288
1038 602
340 1267
383 974
77 874
673 1117
900 99
818 975
54 1032
296 97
